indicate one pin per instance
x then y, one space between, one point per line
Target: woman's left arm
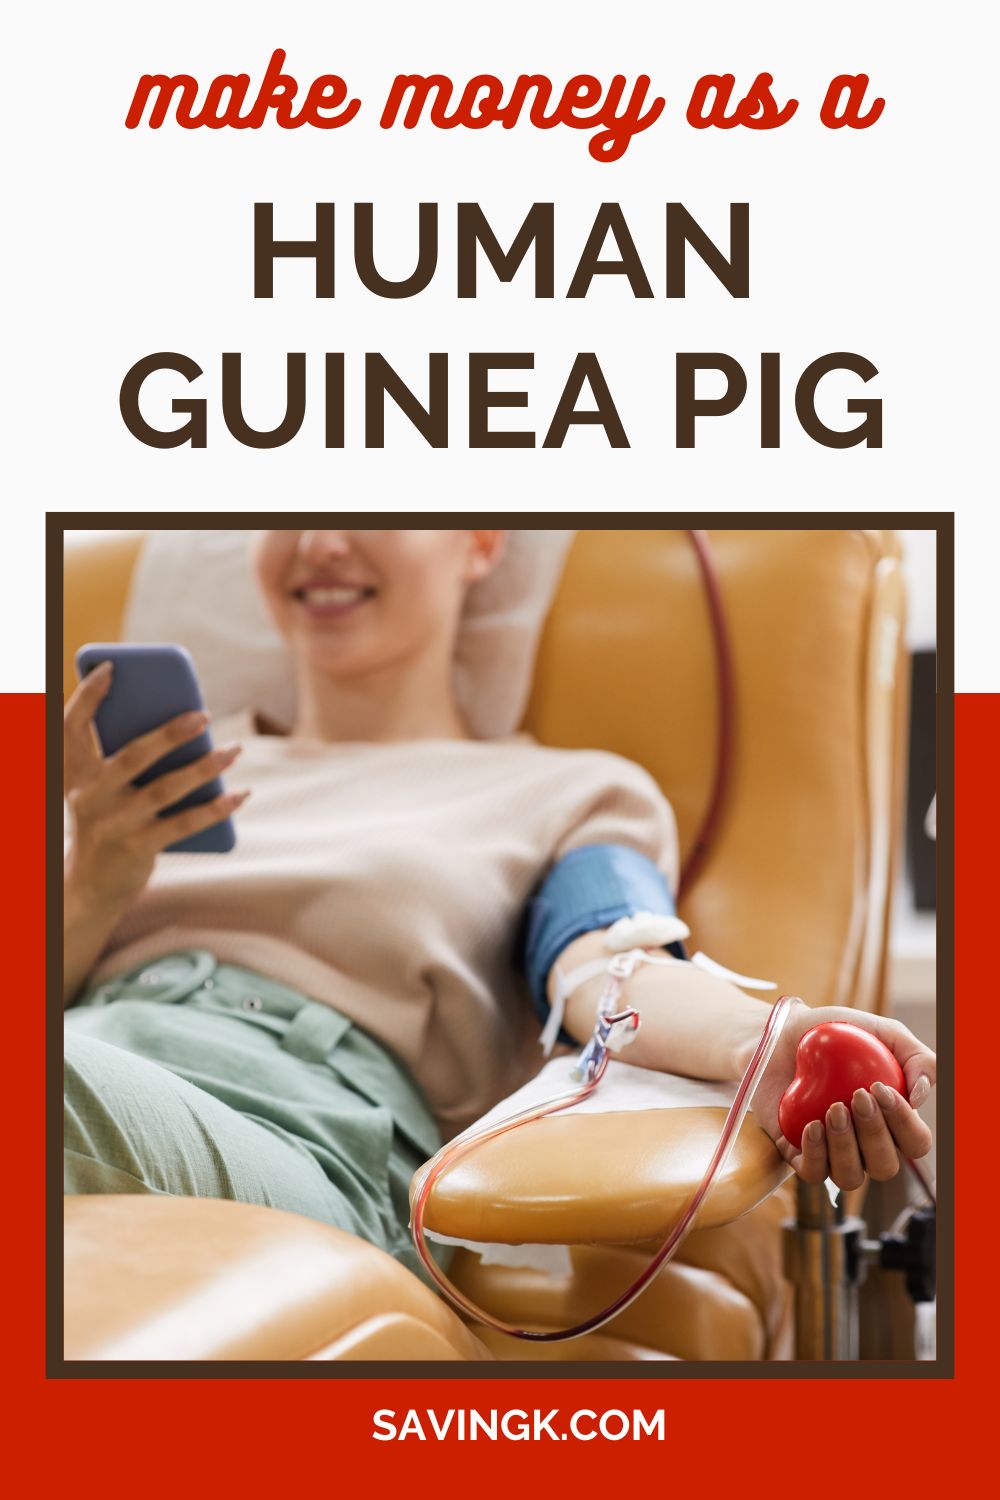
703 1027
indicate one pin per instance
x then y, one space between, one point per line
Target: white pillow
196 588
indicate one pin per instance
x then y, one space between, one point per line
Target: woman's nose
325 546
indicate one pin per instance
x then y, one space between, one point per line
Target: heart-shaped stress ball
831 1061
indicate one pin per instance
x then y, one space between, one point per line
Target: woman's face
354 601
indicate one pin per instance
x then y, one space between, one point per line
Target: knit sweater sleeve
622 804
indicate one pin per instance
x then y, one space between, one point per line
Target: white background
121 243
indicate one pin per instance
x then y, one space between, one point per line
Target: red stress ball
831 1062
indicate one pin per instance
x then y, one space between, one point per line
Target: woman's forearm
692 1023
86 928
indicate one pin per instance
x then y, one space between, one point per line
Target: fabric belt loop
160 981
314 1032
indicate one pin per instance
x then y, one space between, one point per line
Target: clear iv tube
462 1144
923 1177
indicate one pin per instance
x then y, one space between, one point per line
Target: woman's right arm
115 831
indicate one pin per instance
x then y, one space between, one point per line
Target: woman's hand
115 831
880 1125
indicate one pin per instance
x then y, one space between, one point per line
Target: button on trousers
192 1077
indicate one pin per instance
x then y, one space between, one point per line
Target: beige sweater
389 881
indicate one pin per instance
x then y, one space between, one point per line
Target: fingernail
885 1095
230 752
837 1117
196 720
863 1104
104 670
813 1132
238 798
921 1089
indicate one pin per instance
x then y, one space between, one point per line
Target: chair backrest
798 885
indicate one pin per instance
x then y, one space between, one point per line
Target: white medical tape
568 984
709 966
645 929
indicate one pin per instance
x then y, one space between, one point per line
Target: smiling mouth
331 601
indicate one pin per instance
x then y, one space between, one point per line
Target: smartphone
149 685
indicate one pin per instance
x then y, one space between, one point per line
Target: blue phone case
149 685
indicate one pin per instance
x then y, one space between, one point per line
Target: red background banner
116 1437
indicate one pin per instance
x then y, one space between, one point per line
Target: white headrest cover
196 588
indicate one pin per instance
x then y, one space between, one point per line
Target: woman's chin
333 654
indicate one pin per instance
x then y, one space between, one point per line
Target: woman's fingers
911 1135
812 1163
921 1089
165 831
869 1138
918 1063
846 1166
879 1126
809 1159
876 1144
921 1076
174 785
920 1071
80 752
144 751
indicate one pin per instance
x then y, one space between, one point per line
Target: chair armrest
200 1279
600 1179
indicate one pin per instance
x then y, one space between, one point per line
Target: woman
337 995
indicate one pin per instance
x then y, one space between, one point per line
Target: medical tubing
464 1143
923 1178
725 737
725 709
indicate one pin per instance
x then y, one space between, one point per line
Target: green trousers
193 1077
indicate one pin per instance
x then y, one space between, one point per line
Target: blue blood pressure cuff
588 888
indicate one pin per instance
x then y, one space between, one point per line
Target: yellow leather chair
797 887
